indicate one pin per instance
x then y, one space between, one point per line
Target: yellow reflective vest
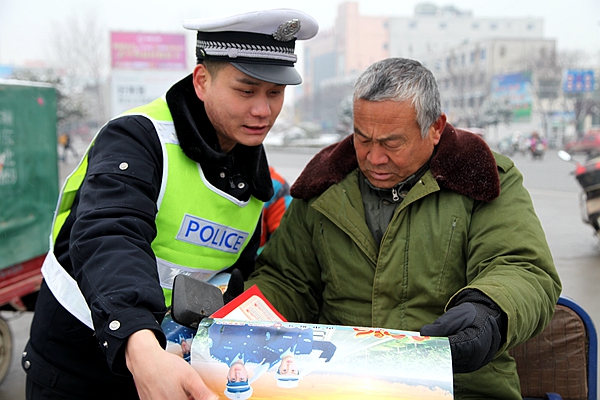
200 229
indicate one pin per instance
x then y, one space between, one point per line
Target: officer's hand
235 286
161 375
475 330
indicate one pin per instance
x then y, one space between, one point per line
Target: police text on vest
206 233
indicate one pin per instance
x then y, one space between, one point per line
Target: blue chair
562 361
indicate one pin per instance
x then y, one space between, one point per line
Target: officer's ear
202 79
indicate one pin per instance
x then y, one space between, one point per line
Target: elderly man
411 224
173 187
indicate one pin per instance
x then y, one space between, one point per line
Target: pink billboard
130 50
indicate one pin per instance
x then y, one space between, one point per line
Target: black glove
475 327
235 287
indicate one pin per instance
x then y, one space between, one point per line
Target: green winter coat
468 223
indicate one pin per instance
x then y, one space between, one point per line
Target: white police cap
241 393
287 381
259 43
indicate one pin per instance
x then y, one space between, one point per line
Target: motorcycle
514 144
537 150
588 176
537 147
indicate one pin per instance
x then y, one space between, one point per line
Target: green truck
29 181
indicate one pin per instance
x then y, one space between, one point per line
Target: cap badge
233 52
287 30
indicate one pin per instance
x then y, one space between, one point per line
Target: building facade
467 54
335 57
433 29
479 76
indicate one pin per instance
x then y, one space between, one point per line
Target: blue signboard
6 71
578 80
517 89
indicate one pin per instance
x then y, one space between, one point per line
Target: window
412 24
502 51
475 25
493 26
443 25
482 54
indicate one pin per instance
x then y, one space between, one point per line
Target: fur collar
198 140
463 163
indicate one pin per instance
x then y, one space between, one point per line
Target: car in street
587 144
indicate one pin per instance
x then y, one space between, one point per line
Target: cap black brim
277 74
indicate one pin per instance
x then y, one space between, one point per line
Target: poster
283 360
247 350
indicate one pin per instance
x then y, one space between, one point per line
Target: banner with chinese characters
146 50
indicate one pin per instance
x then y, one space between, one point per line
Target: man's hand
475 328
235 287
162 375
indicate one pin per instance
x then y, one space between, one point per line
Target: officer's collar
199 141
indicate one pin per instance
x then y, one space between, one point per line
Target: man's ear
436 129
201 79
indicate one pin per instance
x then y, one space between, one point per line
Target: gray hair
401 79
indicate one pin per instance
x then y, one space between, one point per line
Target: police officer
175 186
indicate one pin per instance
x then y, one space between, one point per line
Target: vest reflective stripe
167 272
65 289
202 253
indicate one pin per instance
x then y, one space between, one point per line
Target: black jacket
105 244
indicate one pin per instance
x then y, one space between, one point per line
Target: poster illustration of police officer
179 337
282 360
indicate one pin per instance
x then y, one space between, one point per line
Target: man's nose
261 106
377 155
